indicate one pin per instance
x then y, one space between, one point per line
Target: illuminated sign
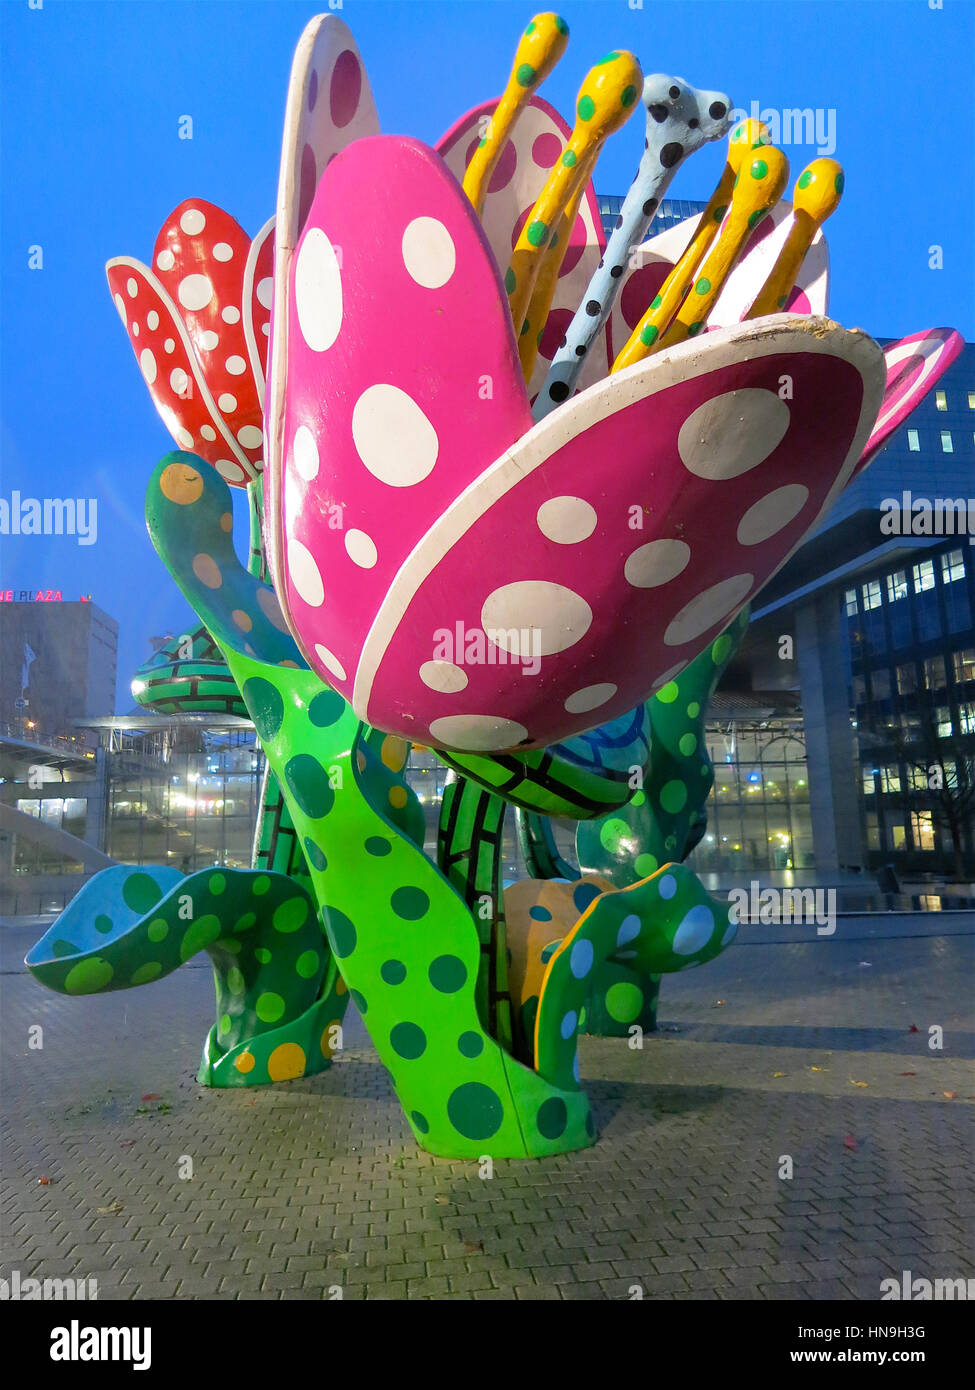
38 596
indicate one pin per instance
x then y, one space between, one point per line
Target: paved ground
317 1185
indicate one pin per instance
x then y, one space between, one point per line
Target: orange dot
340 986
227 521
207 571
180 484
394 752
244 1063
242 620
289 663
286 1062
397 797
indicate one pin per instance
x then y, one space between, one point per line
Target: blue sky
92 92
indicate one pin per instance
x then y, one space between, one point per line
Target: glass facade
670 212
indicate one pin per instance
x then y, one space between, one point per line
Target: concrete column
830 741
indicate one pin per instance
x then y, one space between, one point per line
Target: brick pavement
315 1189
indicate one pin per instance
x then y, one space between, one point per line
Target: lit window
965 665
907 679
871 594
934 673
868 785
943 720
966 718
922 829
896 833
896 586
941 400
917 779
953 566
851 602
923 576
913 442
890 779
946 445
971 400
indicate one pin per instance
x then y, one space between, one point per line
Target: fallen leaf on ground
126 1143
441 1200
819 1068
907 1073
849 1142
470 1246
858 1083
718 1003
112 1209
152 1095
914 1028
778 1073
44 1182
950 1095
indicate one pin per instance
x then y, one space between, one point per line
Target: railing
78 747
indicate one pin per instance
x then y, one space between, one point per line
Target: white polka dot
184 438
135 330
393 437
657 562
120 306
544 618
265 288
169 345
732 433
227 402
230 470
361 549
195 291
591 697
132 288
230 314
330 661
208 432
318 291
152 320
304 451
165 260
208 340
193 222
222 251
443 676
250 437
178 380
668 676
694 932
475 733
266 329
770 514
428 252
306 579
707 608
236 366
566 520
148 364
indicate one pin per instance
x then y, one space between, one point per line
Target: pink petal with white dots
696 443
914 365
171 370
329 104
403 386
539 138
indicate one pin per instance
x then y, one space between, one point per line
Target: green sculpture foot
278 990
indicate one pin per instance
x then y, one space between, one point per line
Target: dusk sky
92 95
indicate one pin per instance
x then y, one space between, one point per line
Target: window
917 779
895 836
896 586
871 593
907 679
868 783
971 400
880 684
965 665
934 673
922 830
966 718
953 566
923 576
941 400
946 445
943 721
873 831
851 602
959 610
890 779
859 690
913 443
